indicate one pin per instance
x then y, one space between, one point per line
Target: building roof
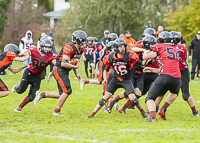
56 14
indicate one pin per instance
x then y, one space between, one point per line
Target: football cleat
18 109
104 108
145 115
122 110
57 114
82 83
87 117
116 106
14 88
196 114
110 105
151 119
161 112
37 97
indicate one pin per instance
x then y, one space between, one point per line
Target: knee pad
125 95
185 96
135 101
102 102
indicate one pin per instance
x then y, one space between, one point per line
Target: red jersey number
171 53
37 63
120 70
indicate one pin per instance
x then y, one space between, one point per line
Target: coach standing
195 46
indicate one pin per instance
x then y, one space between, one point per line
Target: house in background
60 6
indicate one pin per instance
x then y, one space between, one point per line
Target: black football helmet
165 37
176 36
118 42
79 37
12 47
149 39
109 46
46 43
89 39
112 37
149 31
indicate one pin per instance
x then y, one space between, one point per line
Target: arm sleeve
190 47
68 51
106 61
133 57
11 55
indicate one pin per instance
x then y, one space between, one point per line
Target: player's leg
173 85
112 87
86 67
155 90
34 81
40 95
185 79
93 68
64 86
3 89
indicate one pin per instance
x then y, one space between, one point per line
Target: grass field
36 124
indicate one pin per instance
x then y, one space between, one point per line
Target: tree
19 21
186 19
3 7
45 4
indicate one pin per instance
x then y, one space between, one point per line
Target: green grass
36 124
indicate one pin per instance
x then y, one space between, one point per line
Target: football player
169 77
40 58
185 76
10 54
61 71
89 50
122 63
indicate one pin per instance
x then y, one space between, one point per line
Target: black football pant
195 61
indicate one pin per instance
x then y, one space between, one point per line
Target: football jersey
69 50
89 49
123 66
168 59
6 59
39 61
182 54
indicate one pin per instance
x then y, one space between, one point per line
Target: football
73 61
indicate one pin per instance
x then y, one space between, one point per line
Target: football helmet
109 46
176 36
149 31
149 39
79 37
46 43
112 37
118 42
165 37
89 39
12 47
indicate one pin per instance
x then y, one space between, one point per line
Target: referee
195 46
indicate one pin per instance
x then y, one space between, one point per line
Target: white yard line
145 130
52 136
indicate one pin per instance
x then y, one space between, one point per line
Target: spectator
104 40
129 40
182 40
160 29
25 44
195 46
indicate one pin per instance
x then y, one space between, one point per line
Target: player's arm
94 56
148 69
53 61
66 64
16 70
136 49
77 74
149 55
25 55
84 59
